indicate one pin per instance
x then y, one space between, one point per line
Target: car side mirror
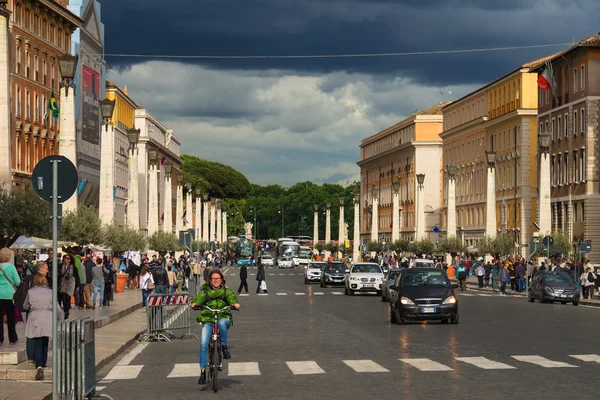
455 286
393 287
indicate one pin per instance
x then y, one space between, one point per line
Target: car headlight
449 300
406 300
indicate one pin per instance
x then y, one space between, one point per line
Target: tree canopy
82 227
23 213
216 179
122 238
163 242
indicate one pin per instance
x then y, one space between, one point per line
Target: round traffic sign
548 241
68 179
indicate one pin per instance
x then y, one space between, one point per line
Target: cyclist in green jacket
215 295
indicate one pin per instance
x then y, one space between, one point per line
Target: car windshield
335 268
366 269
266 257
434 277
559 277
423 264
286 259
392 275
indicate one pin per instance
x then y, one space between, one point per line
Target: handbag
263 285
149 284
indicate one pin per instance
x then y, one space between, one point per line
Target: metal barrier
76 358
167 312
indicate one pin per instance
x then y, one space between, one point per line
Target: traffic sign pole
54 278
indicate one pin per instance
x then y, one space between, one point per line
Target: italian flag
545 80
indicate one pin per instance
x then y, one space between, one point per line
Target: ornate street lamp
224 207
153 154
396 183
491 158
188 185
342 201
544 140
168 168
375 192
198 192
205 197
179 178
420 180
451 169
133 135
316 207
106 109
68 67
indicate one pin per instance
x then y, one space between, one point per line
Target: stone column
218 223
570 217
133 206
5 128
356 234
168 205
179 207
67 138
396 215
451 228
375 217
316 226
224 232
198 217
189 213
205 219
420 217
341 238
328 222
106 209
490 219
544 209
153 200
211 228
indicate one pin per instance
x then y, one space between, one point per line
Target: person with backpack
587 280
461 275
9 282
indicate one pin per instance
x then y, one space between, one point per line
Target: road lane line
185 370
272 274
365 366
587 357
123 372
281 274
543 362
485 295
242 368
337 293
263 294
319 293
244 294
132 354
281 294
300 294
304 367
99 388
425 364
484 363
465 294
300 274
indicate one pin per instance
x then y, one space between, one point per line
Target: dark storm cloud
284 27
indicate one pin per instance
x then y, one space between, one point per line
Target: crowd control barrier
167 312
76 372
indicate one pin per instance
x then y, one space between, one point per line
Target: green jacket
78 265
214 299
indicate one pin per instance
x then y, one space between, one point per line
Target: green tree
23 213
423 246
163 242
122 238
399 246
320 247
217 179
373 245
452 245
561 240
82 226
497 246
199 245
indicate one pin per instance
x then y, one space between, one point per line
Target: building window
28 61
19 55
18 110
17 15
547 96
574 167
27 19
43 107
546 126
575 213
582 165
36 24
566 169
36 114
582 121
566 127
558 128
575 80
52 75
582 77
27 105
45 72
575 123
36 68
52 28
582 211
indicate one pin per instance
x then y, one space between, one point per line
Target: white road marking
365 366
484 363
587 357
99 388
132 354
465 294
186 370
243 368
263 294
300 294
300 274
281 294
337 293
543 362
281 274
123 372
272 274
304 367
485 295
244 294
425 364
319 293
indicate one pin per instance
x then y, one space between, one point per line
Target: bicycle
215 362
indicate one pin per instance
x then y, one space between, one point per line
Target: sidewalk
117 327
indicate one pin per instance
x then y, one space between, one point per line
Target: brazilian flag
53 106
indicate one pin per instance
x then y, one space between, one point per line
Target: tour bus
304 256
288 249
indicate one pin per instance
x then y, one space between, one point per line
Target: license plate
564 296
369 285
428 309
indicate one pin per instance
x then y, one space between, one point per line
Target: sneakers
202 379
226 354
15 342
39 374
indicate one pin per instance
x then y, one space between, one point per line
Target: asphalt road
306 345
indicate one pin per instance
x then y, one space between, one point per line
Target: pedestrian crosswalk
312 367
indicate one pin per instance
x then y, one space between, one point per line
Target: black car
423 294
333 274
550 286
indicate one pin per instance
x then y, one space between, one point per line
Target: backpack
590 277
20 295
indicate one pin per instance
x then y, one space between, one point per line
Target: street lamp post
375 215
544 209
451 223
327 222
341 238
5 120
133 207
198 217
356 230
315 226
396 209
179 207
218 221
205 236
106 209
212 228
282 212
153 193
67 142
420 228
490 222
168 200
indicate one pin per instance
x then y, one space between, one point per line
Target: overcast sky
282 121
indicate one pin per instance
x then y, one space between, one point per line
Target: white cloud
276 126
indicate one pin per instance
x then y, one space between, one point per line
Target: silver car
313 271
285 262
388 279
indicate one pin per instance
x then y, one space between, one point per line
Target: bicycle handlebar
196 307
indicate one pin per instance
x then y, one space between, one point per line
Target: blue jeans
207 329
144 297
521 283
98 287
160 289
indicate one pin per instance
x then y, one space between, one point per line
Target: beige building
410 147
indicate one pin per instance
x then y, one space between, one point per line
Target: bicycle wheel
214 366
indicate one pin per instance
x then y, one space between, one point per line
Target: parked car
267 259
312 272
363 277
334 273
389 279
550 286
285 262
423 294
423 263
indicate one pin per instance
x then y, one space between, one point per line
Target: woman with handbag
147 285
261 278
9 281
68 280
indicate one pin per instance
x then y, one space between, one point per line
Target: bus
289 249
302 240
304 256
244 252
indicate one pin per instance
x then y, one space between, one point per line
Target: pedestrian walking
40 268
88 288
39 323
132 270
587 281
98 281
260 277
109 280
172 280
504 280
161 280
243 280
67 283
9 281
146 284
480 273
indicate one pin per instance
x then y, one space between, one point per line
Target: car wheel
305 281
575 303
399 320
351 292
346 291
455 319
379 293
445 321
392 315
530 298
